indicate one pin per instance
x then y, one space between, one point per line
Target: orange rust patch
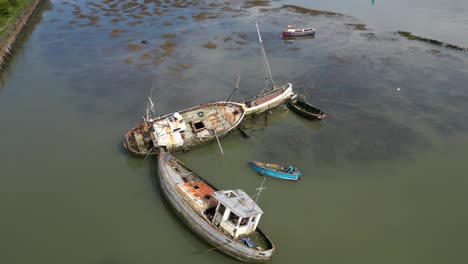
202 190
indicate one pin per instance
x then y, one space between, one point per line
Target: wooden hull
291 39
298 32
274 170
269 100
192 213
306 110
201 125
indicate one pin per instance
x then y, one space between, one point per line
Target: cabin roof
238 202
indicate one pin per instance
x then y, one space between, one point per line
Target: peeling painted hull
280 96
187 209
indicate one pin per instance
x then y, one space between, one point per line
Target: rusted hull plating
197 221
201 125
268 101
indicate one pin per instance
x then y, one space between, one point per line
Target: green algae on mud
303 10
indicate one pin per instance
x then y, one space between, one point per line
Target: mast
259 191
150 109
265 61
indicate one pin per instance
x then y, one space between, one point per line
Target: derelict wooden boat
272 97
299 105
268 100
276 170
293 31
184 130
227 219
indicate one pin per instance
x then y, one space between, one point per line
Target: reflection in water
265 119
312 124
291 39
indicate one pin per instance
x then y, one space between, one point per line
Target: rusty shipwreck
227 219
183 130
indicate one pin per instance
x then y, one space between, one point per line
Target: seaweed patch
135 47
357 26
168 48
210 45
169 35
253 3
203 15
369 36
410 36
313 12
116 32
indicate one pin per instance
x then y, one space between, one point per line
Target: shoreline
14 31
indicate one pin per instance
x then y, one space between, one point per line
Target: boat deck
186 129
266 98
199 190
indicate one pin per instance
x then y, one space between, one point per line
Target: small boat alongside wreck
276 170
300 105
274 96
227 219
183 130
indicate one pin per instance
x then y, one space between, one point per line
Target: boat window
233 218
221 209
244 221
253 219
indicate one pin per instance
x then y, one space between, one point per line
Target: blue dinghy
276 170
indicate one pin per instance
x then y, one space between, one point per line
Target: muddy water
383 175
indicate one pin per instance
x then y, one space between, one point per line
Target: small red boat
293 31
